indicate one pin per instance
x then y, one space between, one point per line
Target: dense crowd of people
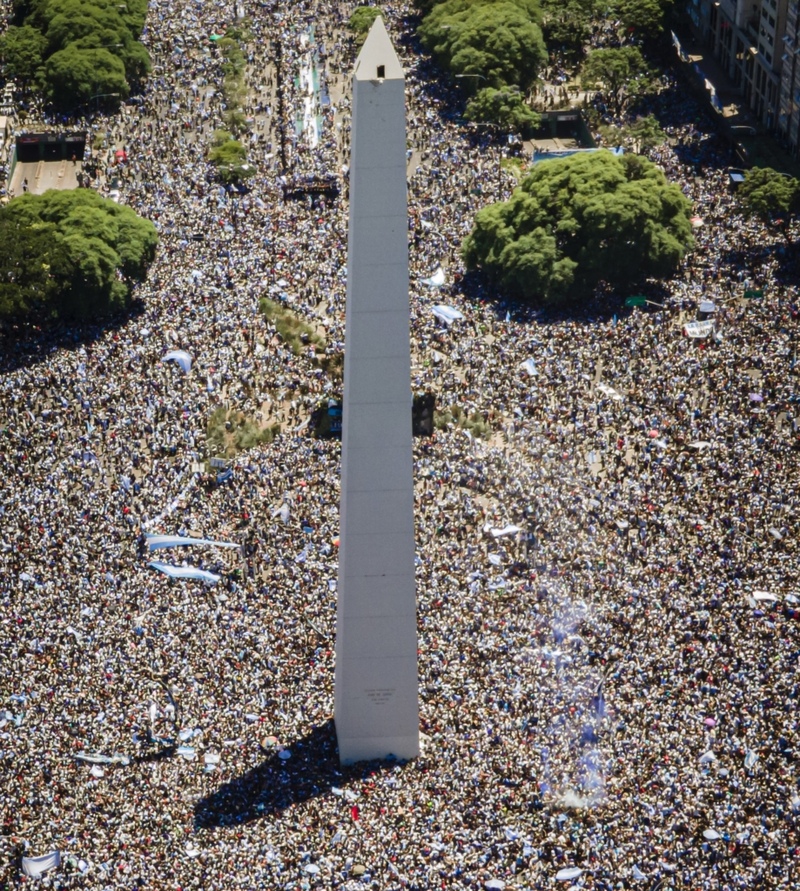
608 616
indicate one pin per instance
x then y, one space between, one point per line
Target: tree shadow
677 106
605 303
788 269
26 343
775 244
274 785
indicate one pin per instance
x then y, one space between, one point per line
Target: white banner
38 866
609 391
186 572
501 532
154 542
447 314
436 280
698 329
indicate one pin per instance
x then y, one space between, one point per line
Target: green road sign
636 301
751 293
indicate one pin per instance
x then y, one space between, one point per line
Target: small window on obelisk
381 71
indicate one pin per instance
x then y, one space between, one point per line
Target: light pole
101 96
462 76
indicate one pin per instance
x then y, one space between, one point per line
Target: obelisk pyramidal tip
377 698
376 53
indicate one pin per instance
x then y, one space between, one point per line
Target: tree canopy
21 53
234 88
83 49
70 254
362 18
567 24
767 194
501 41
579 220
506 108
75 20
229 157
39 13
622 73
637 135
646 18
75 76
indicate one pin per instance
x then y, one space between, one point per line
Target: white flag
38 866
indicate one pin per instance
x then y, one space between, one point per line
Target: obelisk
376 688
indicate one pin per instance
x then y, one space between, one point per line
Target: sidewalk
44 175
757 148
704 70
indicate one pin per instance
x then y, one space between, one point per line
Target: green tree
234 88
767 194
86 46
35 265
31 12
579 220
235 61
71 254
136 60
622 73
39 13
361 20
229 157
74 20
532 7
506 108
74 76
646 18
501 40
640 135
132 12
21 53
567 24
130 52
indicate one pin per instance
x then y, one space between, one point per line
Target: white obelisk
377 701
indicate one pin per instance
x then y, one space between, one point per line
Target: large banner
698 329
38 866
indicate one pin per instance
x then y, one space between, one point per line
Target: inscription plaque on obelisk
376 684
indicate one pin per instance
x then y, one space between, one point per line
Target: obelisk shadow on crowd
298 771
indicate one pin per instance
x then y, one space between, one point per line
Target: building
754 42
789 113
